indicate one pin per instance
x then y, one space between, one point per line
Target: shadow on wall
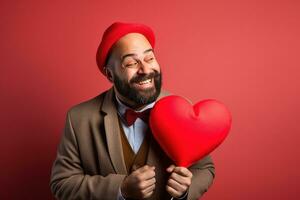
32 128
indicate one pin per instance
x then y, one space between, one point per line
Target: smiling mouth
145 83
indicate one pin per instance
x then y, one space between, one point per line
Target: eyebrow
134 54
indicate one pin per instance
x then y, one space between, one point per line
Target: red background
243 53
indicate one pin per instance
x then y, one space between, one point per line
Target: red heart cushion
187 133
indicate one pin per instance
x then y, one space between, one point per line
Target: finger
149 189
183 171
147 183
170 168
148 195
172 192
182 180
145 168
177 186
145 175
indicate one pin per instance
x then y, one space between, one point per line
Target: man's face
134 70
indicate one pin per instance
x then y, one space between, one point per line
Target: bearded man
107 150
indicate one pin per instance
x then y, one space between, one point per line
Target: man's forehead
131 43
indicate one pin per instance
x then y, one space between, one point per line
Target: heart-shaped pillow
187 133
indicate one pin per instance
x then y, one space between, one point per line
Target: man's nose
144 68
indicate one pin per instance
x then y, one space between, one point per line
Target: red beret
114 32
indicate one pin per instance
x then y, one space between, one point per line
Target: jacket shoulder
87 107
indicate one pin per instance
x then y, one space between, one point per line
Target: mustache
138 78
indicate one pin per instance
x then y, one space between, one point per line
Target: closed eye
150 59
131 64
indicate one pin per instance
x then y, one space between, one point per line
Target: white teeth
145 82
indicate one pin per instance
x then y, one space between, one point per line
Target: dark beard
137 96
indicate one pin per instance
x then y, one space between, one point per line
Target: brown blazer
90 162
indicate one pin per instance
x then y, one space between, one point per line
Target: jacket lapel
113 135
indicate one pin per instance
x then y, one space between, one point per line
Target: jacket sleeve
68 180
203 175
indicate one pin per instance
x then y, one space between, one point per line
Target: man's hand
140 183
179 181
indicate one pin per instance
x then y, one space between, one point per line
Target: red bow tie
131 116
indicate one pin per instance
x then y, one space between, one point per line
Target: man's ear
109 74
